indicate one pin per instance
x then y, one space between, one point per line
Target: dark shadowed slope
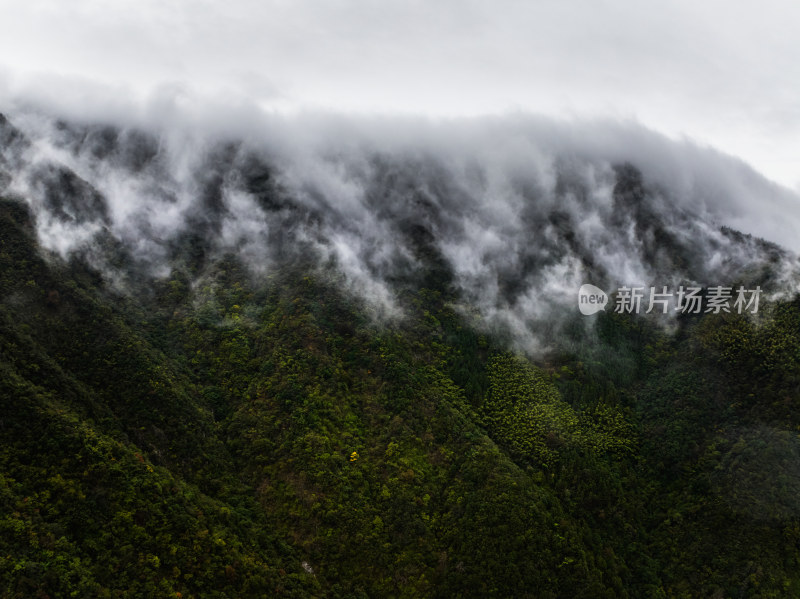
220 381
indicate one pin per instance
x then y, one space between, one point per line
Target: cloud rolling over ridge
510 215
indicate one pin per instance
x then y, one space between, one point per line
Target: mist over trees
327 359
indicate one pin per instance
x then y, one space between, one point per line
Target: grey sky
722 73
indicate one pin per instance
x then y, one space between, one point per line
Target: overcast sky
722 73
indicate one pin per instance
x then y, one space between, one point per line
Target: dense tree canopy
225 435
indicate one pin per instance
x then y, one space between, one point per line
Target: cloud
509 215
714 71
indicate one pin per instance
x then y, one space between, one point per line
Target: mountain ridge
227 406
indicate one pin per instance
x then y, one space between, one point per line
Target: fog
511 214
719 72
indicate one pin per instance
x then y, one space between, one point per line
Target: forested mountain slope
274 398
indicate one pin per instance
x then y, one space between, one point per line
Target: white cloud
719 72
521 209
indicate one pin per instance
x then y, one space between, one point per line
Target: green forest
232 435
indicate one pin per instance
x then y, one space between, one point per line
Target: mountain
335 364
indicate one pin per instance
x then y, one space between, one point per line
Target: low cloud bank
511 213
